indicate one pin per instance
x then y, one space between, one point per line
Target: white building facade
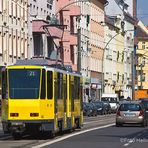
13 31
125 11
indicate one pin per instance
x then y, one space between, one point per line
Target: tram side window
4 85
71 92
60 84
65 92
43 85
77 87
81 96
49 84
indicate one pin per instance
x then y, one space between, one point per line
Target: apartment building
84 26
96 46
125 11
68 14
142 54
110 55
39 14
13 32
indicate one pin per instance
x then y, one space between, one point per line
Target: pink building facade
68 14
97 46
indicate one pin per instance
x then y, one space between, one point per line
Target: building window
143 45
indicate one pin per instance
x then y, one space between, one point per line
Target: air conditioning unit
109 57
128 55
129 83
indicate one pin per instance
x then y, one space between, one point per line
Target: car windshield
24 83
99 104
109 99
130 107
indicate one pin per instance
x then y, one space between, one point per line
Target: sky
142 11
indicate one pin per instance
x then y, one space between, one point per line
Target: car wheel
118 124
144 123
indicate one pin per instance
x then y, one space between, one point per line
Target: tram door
65 99
71 97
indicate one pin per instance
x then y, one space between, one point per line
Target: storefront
86 89
95 92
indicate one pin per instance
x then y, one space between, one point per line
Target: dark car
89 109
86 109
144 101
102 108
108 107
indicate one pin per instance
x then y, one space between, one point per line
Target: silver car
131 112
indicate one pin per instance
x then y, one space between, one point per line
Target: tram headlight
14 114
34 114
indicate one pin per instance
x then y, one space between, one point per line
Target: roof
141 33
55 65
110 20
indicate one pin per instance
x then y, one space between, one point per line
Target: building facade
110 56
142 54
96 46
69 15
128 54
124 44
84 26
39 14
13 32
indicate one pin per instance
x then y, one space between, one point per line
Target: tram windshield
24 83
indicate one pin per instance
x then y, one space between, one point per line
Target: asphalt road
6 141
110 137
98 132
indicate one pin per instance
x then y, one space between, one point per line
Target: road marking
94 121
130 141
72 135
133 139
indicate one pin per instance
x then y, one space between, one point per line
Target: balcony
129 83
37 27
109 57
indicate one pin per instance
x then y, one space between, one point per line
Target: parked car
102 108
131 112
144 101
89 109
86 109
108 107
112 99
94 109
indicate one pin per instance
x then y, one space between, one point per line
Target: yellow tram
40 98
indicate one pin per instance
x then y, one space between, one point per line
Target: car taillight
141 113
118 113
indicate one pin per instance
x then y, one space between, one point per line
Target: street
97 132
110 137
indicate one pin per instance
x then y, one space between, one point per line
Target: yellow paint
44 107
